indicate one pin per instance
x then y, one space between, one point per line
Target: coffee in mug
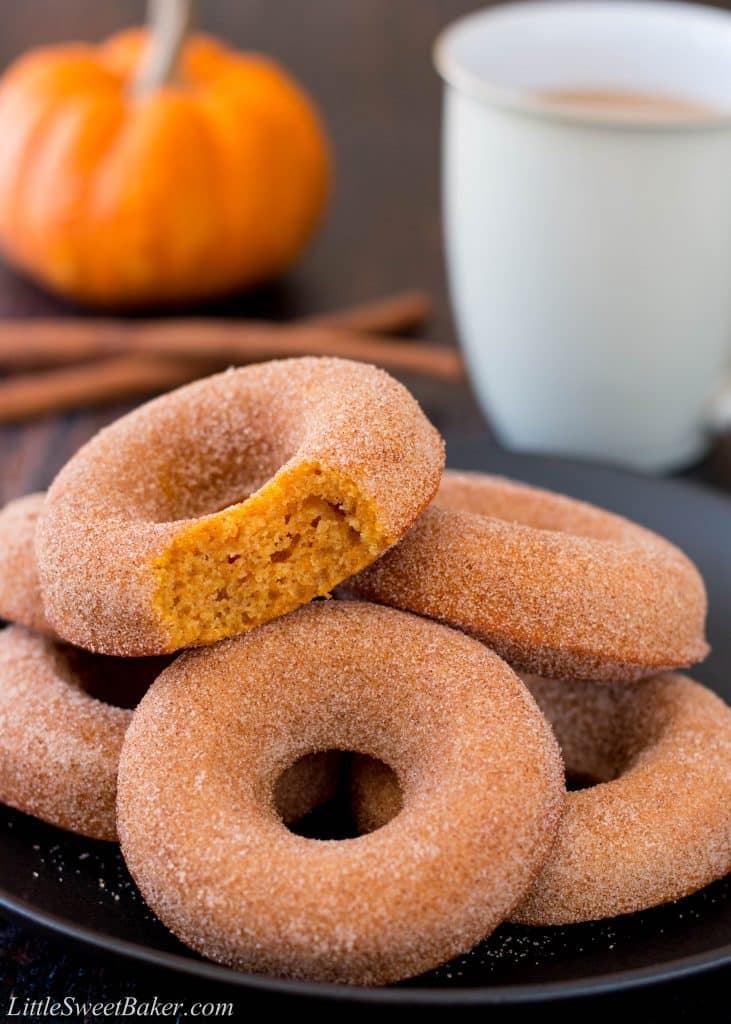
625 102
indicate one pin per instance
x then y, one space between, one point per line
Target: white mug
589 252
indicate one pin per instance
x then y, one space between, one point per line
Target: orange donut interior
293 540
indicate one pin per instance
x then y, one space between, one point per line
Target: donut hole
315 799
121 682
592 758
308 796
576 781
294 539
594 724
376 796
600 766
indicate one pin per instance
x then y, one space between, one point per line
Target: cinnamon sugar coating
63 715
556 586
230 501
655 824
20 595
658 824
200 763
59 746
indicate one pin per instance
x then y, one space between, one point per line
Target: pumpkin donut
655 824
20 595
59 745
214 861
230 502
60 736
556 586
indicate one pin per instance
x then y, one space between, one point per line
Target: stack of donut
489 641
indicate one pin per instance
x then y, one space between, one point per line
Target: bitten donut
20 596
655 824
555 586
60 736
214 861
230 502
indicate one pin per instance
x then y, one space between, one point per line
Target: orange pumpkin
116 196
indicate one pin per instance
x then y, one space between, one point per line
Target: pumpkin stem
168 23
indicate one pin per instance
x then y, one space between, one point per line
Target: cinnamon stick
36 343
394 314
166 355
72 387
229 342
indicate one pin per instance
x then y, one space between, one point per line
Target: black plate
82 890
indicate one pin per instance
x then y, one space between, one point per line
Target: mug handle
718 412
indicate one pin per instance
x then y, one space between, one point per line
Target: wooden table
368 64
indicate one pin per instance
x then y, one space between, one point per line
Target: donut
214 861
231 501
655 824
658 824
59 746
20 596
555 586
63 716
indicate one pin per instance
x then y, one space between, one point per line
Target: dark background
367 63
